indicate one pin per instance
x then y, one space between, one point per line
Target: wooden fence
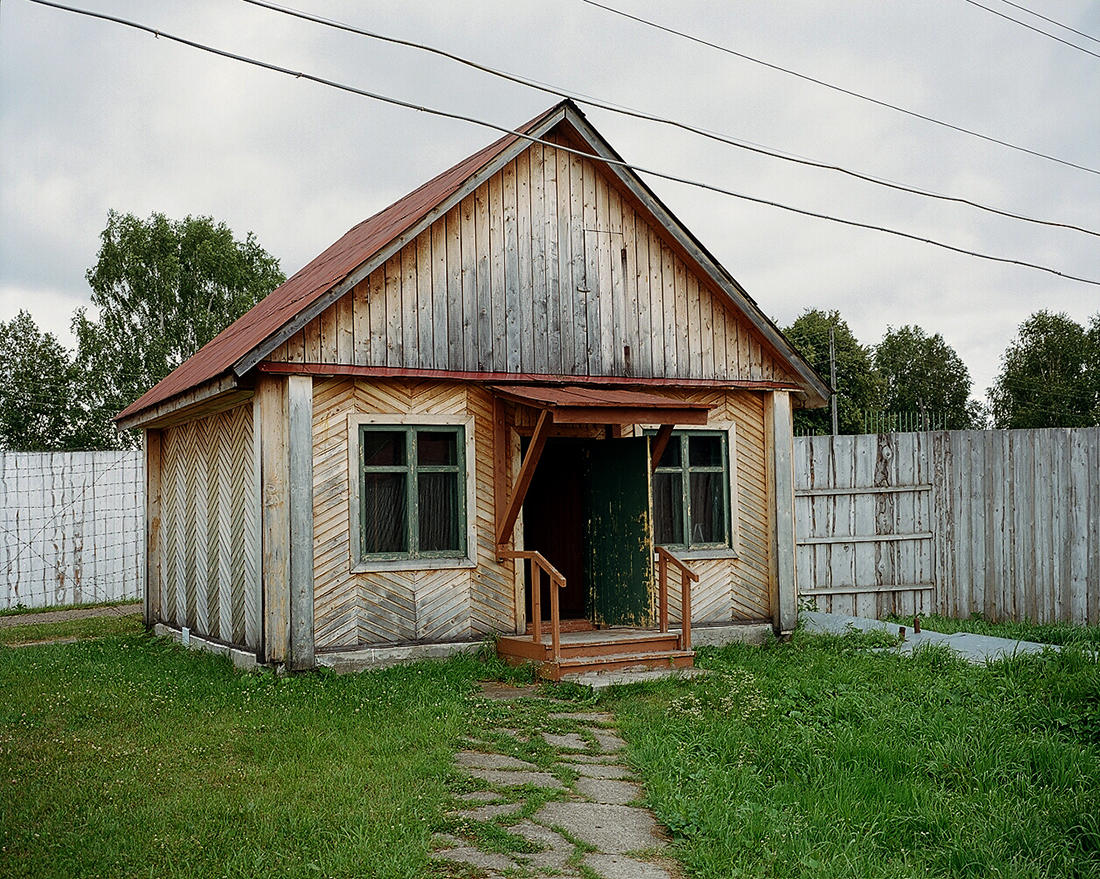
71 527
1005 524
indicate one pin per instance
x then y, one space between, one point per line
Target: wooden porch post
300 496
779 430
271 440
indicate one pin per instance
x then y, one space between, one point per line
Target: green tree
924 375
41 391
1050 375
858 387
162 289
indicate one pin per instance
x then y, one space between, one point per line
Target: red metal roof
318 276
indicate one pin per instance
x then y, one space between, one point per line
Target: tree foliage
162 289
1050 375
41 391
858 387
923 374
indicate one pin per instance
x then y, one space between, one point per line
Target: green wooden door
619 548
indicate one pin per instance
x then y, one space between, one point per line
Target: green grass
20 610
1043 633
821 759
128 756
88 627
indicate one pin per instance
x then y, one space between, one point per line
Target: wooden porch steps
597 651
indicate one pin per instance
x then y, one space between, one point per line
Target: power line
618 163
1051 20
841 89
1032 27
649 117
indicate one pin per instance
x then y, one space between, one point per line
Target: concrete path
568 807
70 613
973 648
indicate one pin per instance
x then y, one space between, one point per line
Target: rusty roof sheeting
318 276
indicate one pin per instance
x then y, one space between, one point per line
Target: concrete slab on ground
622 867
602 680
613 830
973 648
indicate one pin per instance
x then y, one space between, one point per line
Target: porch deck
613 649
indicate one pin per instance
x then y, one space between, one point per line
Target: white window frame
360 565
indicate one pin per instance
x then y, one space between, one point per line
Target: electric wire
881 103
610 162
1052 21
557 91
1032 27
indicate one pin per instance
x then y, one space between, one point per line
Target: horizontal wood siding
547 268
997 523
209 514
352 609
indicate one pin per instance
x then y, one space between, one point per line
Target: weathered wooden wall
70 527
999 523
210 528
397 606
546 268
354 609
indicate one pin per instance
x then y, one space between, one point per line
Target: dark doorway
588 511
553 523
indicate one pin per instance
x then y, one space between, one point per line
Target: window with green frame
691 491
412 491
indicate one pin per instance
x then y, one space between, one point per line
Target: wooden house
484 407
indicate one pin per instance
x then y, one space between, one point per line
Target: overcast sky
94 116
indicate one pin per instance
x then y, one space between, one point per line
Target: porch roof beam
523 481
627 415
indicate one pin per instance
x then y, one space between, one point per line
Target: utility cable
610 162
841 89
1032 27
1052 21
649 117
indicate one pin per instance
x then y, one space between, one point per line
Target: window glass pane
383 448
385 513
439 513
671 455
668 508
707 498
705 451
436 447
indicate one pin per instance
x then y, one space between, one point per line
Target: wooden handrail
540 564
687 577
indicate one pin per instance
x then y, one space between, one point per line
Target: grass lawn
128 756
820 759
88 627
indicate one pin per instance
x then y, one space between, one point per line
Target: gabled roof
245 342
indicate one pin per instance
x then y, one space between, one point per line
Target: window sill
435 564
701 555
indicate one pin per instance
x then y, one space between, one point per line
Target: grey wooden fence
1005 524
71 527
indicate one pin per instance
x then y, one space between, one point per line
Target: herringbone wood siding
394 606
209 516
546 268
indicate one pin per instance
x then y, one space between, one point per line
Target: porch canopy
573 404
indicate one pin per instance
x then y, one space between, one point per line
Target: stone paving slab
557 849
608 741
516 778
479 796
572 741
603 680
620 867
606 759
600 770
608 790
610 829
481 760
464 854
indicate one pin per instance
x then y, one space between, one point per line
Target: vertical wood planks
271 400
300 511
